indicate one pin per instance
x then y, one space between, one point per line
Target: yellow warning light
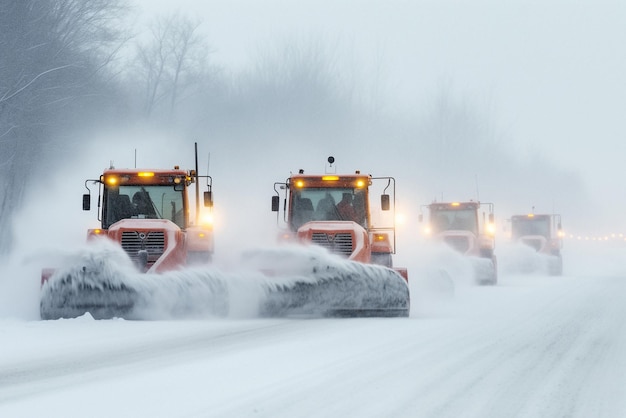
300 183
330 178
380 237
111 180
98 231
360 184
455 204
145 174
531 215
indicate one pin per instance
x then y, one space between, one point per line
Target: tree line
66 65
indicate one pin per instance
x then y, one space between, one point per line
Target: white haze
543 73
548 76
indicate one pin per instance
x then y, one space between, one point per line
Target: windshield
326 204
449 220
524 226
143 202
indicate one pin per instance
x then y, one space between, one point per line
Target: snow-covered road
534 346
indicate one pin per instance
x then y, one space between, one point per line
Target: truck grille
153 242
458 243
340 243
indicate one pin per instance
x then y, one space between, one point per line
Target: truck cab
147 212
335 211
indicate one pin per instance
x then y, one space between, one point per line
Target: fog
518 104
537 86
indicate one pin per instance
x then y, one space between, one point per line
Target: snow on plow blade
310 281
485 271
105 284
363 290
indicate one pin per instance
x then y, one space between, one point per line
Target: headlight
206 219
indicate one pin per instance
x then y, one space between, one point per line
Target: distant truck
543 233
462 227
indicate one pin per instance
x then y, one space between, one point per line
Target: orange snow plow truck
544 234
462 227
146 212
334 211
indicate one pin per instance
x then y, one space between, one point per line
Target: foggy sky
548 74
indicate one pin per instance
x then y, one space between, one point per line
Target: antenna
477 192
135 157
208 164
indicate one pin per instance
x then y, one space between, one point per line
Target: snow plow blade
485 270
72 296
368 291
312 282
182 294
106 285
104 282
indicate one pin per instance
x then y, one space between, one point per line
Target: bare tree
170 60
52 57
298 86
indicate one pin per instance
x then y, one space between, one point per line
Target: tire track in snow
55 371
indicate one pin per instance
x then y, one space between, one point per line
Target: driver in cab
346 209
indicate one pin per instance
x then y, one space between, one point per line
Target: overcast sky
549 74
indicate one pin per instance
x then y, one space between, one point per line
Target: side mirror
208 199
491 218
86 202
384 202
275 203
